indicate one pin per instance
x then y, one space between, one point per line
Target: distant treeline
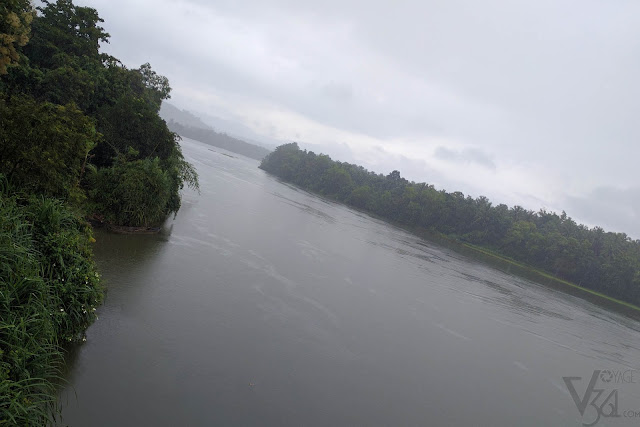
221 140
590 257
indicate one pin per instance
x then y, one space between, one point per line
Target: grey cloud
614 209
338 92
466 155
549 87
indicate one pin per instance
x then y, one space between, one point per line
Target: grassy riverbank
545 278
49 292
505 264
512 266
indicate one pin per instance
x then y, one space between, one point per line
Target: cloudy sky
527 102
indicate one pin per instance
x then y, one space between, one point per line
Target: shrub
132 193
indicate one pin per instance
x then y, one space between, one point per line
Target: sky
534 103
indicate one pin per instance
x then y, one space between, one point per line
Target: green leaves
133 193
73 109
48 292
15 26
44 145
72 121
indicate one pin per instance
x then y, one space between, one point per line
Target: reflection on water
261 304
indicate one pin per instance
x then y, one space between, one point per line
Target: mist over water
261 304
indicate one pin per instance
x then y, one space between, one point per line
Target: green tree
44 145
15 25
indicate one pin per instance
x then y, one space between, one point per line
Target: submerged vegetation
604 262
80 136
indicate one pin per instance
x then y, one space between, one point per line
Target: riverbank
98 221
511 266
605 263
500 262
49 292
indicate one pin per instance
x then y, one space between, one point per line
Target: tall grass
49 290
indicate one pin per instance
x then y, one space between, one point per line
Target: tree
44 146
157 86
337 181
15 25
65 30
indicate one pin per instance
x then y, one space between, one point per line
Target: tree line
80 136
605 262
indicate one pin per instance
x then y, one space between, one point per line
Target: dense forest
221 140
589 257
80 137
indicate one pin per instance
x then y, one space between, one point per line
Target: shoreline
497 261
121 229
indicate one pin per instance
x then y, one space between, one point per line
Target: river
261 304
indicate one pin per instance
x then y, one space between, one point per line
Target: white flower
62 309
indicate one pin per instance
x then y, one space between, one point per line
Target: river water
261 304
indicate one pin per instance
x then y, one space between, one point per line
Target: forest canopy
70 111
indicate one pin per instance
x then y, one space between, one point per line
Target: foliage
49 290
143 130
70 108
44 145
61 240
15 25
604 262
134 193
64 30
78 130
157 86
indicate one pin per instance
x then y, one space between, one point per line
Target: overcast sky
527 102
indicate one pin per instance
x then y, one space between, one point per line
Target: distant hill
232 128
240 131
222 140
187 124
170 112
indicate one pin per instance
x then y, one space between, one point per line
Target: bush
132 193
